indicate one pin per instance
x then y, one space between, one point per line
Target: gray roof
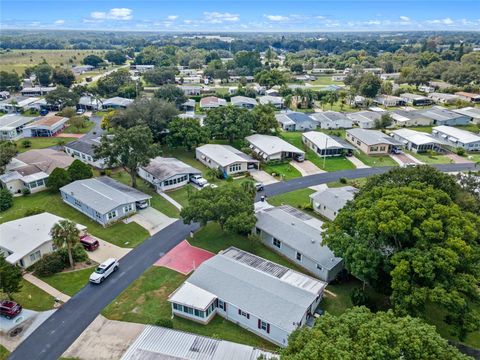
456 134
272 144
268 99
117 101
274 293
469 111
243 100
362 116
415 137
439 114
82 146
322 140
224 155
159 343
411 96
164 168
335 198
299 231
296 118
372 137
12 121
103 194
329 116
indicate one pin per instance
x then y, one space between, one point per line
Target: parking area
106 250
151 219
184 258
306 167
263 177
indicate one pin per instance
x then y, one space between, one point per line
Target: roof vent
313 241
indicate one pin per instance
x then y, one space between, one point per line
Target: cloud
276 17
112 14
172 17
404 18
59 22
446 21
218 17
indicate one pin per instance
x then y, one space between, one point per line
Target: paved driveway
457 159
104 340
263 177
306 167
151 219
107 250
357 162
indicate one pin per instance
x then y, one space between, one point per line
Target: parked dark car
89 243
10 309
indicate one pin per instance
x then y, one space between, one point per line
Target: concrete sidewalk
306 167
46 287
170 200
357 162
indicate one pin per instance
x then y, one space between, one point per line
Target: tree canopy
128 148
359 334
186 133
64 77
171 93
9 81
10 277
79 170
229 122
93 60
7 151
230 206
410 239
61 97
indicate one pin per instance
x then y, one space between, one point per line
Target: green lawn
325 80
42 142
125 235
298 198
157 202
145 301
4 353
181 195
285 171
32 298
432 159
69 282
375 161
70 129
331 163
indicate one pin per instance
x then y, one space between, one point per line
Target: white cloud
112 14
276 17
405 18
59 22
218 17
172 17
446 21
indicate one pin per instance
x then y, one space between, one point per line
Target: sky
241 15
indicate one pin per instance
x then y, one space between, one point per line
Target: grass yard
4 353
19 60
285 171
69 282
325 80
125 235
358 183
145 301
474 157
432 159
42 143
375 161
70 129
297 198
157 202
331 163
181 195
32 297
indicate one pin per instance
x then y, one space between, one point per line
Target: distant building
116 102
416 100
272 148
390 76
83 150
457 138
89 103
326 145
211 102
332 120
263 297
244 102
372 142
276 101
12 125
226 158
389 100
442 116
45 126
443 98
295 121
298 237
364 119
191 90
471 112
403 118
37 90
167 173
466 96
330 201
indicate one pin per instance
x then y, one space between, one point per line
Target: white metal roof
158 343
463 136
416 137
22 236
13 121
324 141
224 155
192 296
272 144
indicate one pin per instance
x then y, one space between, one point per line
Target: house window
35 256
277 243
243 313
235 167
319 267
262 325
222 305
178 307
77 203
128 208
258 231
299 256
112 214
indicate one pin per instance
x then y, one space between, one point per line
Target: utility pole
325 151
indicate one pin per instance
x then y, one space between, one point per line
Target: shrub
359 297
49 264
78 253
26 191
461 151
33 211
68 112
26 144
163 322
343 180
6 200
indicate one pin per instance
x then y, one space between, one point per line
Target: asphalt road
54 336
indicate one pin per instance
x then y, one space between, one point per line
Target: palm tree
66 234
249 187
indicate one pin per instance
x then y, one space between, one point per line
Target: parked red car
10 309
89 243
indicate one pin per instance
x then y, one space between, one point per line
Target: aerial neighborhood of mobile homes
228 175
